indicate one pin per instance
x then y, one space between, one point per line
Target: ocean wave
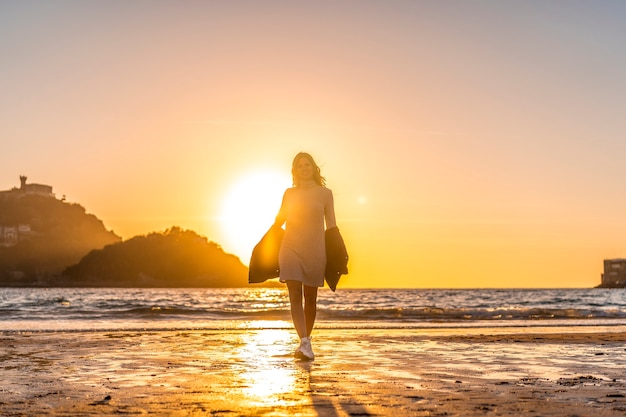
392 306
432 314
466 314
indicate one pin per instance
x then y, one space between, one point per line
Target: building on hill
614 273
10 235
38 189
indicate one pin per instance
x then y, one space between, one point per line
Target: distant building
38 189
10 235
614 273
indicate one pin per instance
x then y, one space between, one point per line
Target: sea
110 309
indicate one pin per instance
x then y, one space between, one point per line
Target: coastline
460 372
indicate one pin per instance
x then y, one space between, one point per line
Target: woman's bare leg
297 312
310 308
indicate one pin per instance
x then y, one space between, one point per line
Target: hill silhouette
175 258
45 241
41 235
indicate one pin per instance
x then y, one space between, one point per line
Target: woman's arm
329 210
281 217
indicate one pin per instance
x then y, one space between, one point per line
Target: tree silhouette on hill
175 258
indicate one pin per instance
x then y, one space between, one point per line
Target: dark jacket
336 257
264 260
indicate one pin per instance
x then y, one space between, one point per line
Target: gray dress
302 255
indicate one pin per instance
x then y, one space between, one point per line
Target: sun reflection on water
271 375
267 298
269 384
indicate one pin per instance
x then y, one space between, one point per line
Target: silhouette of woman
305 208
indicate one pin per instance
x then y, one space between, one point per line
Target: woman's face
304 169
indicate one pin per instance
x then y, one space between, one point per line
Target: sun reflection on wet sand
356 372
272 376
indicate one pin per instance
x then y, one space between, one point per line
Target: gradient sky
467 143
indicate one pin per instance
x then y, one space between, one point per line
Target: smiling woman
249 209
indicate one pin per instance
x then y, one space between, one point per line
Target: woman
302 257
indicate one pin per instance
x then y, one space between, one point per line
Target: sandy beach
357 372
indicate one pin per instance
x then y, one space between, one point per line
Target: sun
249 209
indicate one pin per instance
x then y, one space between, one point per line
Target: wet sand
357 372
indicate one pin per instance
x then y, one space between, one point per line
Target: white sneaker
305 351
298 352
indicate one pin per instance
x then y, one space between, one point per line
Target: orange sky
468 144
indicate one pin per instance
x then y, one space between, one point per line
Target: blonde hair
317 176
